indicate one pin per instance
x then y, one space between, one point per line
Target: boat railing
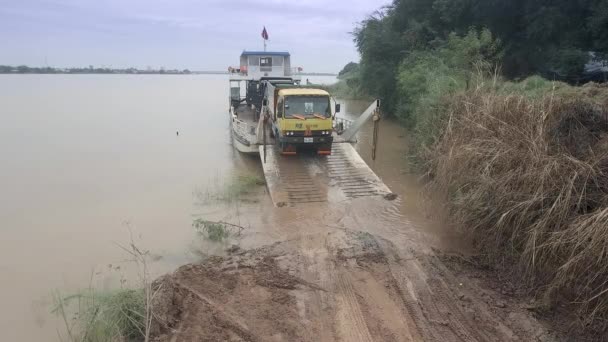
341 124
240 70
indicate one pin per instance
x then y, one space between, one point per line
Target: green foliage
212 231
567 62
381 52
425 78
243 183
102 316
348 68
349 84
598 22
533 87
230 190
551 38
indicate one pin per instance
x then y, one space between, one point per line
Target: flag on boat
264 33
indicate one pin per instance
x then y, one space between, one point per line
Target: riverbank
519 166
318 272
403 222
324 285
524 176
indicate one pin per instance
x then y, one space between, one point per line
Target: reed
527 178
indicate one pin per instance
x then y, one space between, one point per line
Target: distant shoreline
22 70
143 73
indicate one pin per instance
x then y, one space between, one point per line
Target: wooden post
264 138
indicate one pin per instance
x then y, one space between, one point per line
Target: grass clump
216 231
241 184
235 188
527 178
103 316
118 315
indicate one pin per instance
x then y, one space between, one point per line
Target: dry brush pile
528 180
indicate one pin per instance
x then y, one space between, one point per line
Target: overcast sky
200 35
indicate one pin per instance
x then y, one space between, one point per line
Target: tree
350 67
548 37
5 69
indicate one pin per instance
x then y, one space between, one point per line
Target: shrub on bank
526 176
427 79
348 85
102 316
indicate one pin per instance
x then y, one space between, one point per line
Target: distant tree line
24 69
553 38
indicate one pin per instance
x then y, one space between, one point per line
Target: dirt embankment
333 286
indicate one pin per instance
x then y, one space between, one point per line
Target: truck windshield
307 106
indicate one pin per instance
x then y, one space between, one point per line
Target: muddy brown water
88 159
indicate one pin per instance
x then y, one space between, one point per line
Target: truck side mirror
265 102
337 108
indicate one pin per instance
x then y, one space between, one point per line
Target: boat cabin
255 65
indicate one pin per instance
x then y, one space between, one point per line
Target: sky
198 35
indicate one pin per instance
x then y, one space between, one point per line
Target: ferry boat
269 106
249 131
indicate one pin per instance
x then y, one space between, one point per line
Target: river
88 160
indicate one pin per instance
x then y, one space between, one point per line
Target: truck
299 117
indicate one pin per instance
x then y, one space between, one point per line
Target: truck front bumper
314 140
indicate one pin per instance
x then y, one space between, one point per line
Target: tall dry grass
528 180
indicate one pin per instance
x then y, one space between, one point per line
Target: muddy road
362 269
332 285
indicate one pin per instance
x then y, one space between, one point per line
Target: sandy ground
337 285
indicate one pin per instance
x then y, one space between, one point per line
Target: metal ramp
308 178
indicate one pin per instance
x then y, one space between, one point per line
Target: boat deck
246 126
308 178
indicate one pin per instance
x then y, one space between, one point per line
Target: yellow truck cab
301 117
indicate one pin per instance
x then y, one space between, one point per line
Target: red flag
264 33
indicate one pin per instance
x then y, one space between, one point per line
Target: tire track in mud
367 308
351 323
354 297
314 267
433 323
425 291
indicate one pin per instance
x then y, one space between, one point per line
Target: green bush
104 316
213 231
426 78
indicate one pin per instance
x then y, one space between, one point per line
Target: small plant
117 315
216 231
231 190
243 184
